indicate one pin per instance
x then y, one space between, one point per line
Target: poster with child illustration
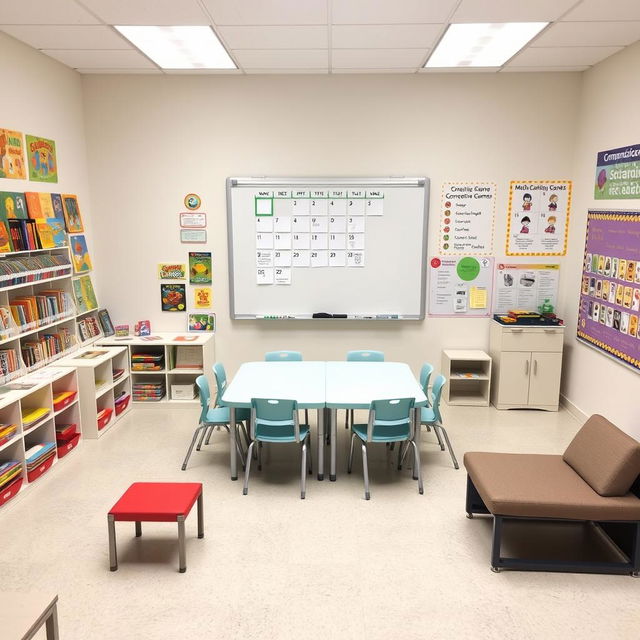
538 217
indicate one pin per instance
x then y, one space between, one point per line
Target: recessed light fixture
487 44
180 47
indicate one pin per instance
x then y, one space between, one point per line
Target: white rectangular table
353 385
23 614
301 381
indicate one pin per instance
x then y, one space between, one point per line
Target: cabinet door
544 388
514 377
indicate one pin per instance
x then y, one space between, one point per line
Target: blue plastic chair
389 421
283 356
275 420
209 419
361 356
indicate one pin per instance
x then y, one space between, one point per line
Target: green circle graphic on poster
468 269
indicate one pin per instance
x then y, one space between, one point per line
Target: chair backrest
221 381
283 356
205 394
436 393
392 414
425 376
274 417
365 356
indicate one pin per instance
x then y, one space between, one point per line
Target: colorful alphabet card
12 155
43 165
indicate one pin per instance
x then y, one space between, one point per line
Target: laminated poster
609 310
525 286
12 164
173 297
204 322
202 297
618 173
172 271
43 165
199 267
538 217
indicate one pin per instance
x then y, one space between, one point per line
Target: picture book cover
202 322
173 297
199 267
56 203
122 330
12 163
13 205
72 213
57 230
5 241
172 271
80 254
41 153
105 322
45 234
34 206
202 297
84 294
46 205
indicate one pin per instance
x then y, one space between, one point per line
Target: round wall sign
192 201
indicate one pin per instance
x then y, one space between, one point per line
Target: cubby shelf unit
468 374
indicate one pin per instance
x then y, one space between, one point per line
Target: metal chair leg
245 433
193 441
350 460
365 472
417 466
202 435
303 470
437 432
438 427
259 456
206 441
400 455
405 447
346 419
247 469
309 455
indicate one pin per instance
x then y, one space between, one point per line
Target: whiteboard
384 280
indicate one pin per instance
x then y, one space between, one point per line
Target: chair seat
281 433
427 415
392 434
222 415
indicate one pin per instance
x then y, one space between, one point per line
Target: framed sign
193 236
190 220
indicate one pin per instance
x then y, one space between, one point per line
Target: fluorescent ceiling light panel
180 47
488 44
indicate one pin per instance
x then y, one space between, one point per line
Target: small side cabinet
527 366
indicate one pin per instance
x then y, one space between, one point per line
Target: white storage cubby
468 373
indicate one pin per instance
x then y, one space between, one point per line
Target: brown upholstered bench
596 480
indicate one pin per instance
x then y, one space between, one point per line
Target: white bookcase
468 373
37 391
200 347
98 386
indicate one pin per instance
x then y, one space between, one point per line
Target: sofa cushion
605 457
542 486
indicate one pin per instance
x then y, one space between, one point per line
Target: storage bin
104 420
64 399
11 490
183 391
40 470
67 433
122 404
65 447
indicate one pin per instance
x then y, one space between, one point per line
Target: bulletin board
352 248
609 312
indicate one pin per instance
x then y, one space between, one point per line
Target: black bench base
624 536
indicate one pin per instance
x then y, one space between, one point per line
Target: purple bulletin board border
624 217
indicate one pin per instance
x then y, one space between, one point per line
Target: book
173 297
72 213
5 239
105 322
46 206
80 254
51 232
84 294
199 267
12 205
12 162
34 207
56 203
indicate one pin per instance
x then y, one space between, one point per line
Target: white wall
153 139
43 97
608 118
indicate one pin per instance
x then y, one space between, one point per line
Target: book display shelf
105 387
468 374
40 424
164 366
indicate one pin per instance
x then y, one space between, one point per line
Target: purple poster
610 291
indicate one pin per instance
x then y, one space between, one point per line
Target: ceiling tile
282 58
386 12
288 37
68 37
288 71
39 12
121 71
100 59
593 34
374 36
511 10
590 10
542 69
377 58
148 12
562 56
267 12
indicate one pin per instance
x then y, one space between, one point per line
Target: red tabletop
156 501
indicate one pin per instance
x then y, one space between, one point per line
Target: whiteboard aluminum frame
263 181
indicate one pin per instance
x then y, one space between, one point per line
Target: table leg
182 551
138 529
52 623
200 516
232 443
113 554
320 413
334 442
416 436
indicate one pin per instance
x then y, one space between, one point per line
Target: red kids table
156 502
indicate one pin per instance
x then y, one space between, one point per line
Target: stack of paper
37 454
8 472
148 391
30 415
7 432
147 362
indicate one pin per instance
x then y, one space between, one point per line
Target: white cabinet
527 366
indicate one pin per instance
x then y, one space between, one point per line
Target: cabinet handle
517 330
535 367
526 367
550 331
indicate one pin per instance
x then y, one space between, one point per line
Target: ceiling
320 36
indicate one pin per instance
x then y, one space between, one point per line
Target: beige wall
608 118
153 139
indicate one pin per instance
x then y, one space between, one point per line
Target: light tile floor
273 566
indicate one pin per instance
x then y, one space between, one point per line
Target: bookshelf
103 377
468 374
175 359
21 405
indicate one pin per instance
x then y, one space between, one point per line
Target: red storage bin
121 405
67 433
104 420
10 491
38 471
65 401
65 447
